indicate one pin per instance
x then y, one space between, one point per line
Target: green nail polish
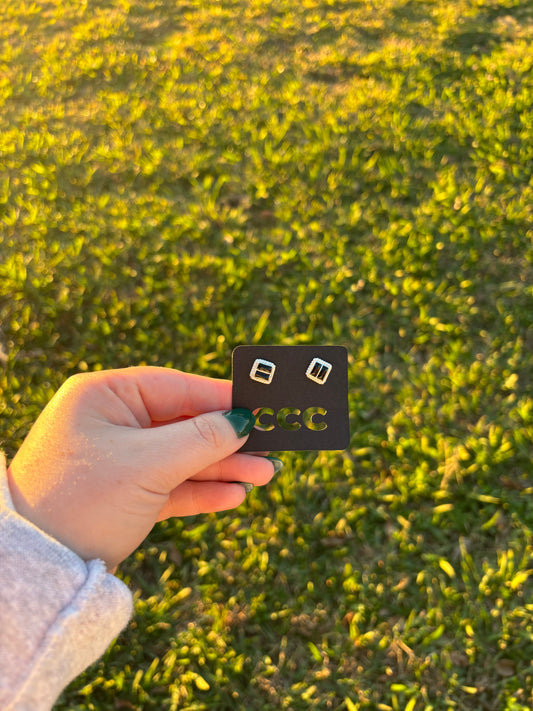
247 487
277 463
242 421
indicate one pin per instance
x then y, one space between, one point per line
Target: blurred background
179 178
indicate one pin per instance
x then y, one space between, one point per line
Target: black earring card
299 395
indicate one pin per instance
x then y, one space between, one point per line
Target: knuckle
76 384
80 384
208 432
76 380
81 379
77 388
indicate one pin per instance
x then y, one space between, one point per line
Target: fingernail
246 486
277 463
242 421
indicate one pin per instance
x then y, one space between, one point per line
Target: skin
115 451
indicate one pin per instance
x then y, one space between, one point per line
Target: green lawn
178 178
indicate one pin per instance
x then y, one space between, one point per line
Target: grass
180 178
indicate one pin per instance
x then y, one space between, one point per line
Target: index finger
165 394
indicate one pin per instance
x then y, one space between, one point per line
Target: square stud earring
319 370
262 371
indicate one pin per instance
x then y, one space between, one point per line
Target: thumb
180 450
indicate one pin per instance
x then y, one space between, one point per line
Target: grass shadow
476 42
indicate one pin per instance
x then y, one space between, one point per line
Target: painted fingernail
277 464
241 420
245 485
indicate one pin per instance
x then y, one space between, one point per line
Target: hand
115 451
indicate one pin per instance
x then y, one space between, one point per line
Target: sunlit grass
178 179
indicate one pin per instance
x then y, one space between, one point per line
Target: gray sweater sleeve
58 613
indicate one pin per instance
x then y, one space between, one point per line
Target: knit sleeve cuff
58 613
